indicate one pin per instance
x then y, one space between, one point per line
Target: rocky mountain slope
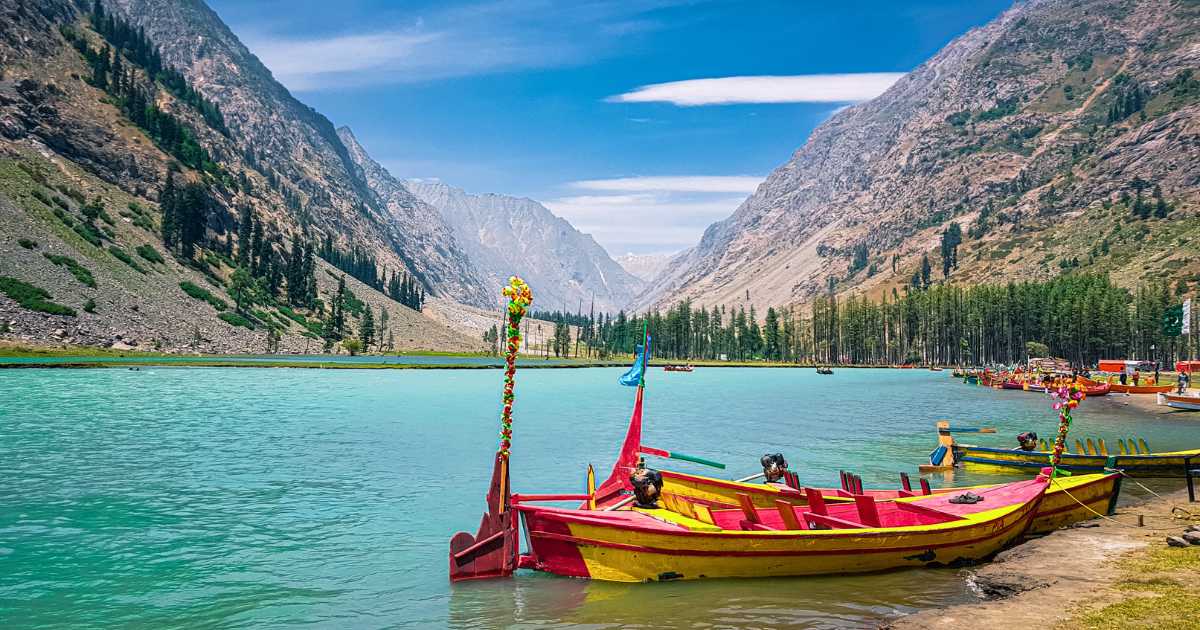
1064 135
99 245
298 143
417 227
508 235
644 267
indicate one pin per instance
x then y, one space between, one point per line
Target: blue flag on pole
633 377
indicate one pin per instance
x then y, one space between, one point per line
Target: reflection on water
532 599
281 498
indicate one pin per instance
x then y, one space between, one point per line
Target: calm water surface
185 497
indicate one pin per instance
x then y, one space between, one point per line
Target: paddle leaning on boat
644 525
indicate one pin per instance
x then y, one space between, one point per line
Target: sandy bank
1066 577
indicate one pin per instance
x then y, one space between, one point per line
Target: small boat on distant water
824 370
934 368
677 368
1186 402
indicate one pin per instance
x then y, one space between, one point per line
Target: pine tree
167 204
256 249
242 289
366 332
951 239
335 325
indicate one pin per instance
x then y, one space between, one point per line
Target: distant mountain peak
506 235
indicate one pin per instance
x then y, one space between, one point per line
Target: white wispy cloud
807 88
453 40
677 183
651 213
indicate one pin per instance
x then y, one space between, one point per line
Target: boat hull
1060 507
1176 401
1118 388
986 459
627 547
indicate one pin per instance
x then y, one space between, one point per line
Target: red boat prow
492 551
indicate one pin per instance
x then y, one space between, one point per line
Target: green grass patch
27 244
233 319
200 293
149 253
60 202
32 298
80 272
89 306
64 217
124 257
87 233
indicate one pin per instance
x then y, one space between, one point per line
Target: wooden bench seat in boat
864 513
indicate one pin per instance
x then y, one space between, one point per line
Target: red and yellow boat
640 545
1118 388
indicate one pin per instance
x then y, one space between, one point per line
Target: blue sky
601 109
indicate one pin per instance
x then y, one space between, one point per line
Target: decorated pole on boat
1066 398
492 552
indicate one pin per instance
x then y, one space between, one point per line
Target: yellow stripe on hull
1061 505
1006 461
618 555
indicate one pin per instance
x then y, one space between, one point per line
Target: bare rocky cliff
1042 134
418 229
508 235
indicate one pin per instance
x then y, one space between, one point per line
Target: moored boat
1180 401
1133 462
654 544
677 368
1118 388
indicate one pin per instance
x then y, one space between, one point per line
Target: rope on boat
1115 521
1174 508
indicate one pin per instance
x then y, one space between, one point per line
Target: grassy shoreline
77 357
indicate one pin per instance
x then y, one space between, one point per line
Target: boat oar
658 452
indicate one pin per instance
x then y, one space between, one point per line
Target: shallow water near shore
182 497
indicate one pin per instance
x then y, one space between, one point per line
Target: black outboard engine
774 465
1028 441
647 485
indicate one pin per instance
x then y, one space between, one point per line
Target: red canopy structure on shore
1120 365
1187 367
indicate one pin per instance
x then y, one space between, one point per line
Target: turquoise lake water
240 497
340 359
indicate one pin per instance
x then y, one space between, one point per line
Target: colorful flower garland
519 298
1066 398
